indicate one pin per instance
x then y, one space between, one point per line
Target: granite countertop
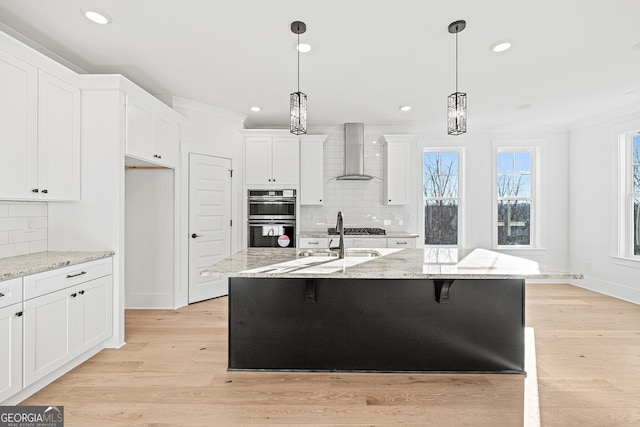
25 265
391 234
394 264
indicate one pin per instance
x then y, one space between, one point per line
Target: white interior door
209 223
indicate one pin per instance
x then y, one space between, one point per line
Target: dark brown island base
404 311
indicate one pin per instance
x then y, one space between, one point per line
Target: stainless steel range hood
354 153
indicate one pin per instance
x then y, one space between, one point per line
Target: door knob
194 235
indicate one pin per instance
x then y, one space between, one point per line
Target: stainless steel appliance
272 218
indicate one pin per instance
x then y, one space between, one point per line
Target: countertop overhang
424 263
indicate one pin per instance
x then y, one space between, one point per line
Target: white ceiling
570 59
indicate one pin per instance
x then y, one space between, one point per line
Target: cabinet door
93 313
58 139
139 129
396 177
372 242
257 161
286 163
401 242
49 333
18 128
311 173
165 141
10 350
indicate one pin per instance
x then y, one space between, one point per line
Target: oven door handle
271 222
265 200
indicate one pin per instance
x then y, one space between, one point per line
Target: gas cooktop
359 231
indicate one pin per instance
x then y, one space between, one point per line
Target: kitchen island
410 310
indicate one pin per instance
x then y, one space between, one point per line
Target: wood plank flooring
172 372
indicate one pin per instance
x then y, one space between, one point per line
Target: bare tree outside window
636 195
440 187
514 197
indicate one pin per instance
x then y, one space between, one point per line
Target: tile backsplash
23 228
360 201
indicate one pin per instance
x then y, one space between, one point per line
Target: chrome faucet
340 229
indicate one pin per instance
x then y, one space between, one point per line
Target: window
441 189
635 197
630 194
515 190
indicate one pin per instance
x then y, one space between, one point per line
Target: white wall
362 202
23 228
215 132
149 238
593 207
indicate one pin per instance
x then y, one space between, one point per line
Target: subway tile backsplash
360 201
23 228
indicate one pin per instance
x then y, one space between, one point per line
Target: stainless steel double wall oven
272 218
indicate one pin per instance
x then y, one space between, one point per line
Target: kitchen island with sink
378 310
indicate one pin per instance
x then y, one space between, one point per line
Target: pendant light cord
298 49
456 62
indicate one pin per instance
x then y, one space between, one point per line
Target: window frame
461 199
534 233
626 195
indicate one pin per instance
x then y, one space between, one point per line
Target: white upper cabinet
397 169
271 160
151 136
58 139
311 169
39 134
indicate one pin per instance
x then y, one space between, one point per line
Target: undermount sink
351 252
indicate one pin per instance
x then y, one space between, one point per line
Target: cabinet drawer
407 242
10 292
313 242
61 278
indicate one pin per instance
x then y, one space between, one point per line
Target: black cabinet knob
19 314
81 292
35 190
45 191
73 295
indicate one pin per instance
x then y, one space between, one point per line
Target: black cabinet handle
194 235
81 292
45 191
35 190
401 243
19 314
69 276
73 295
389 199
314 243
157 156
1 294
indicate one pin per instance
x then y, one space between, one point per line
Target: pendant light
457 101
298 100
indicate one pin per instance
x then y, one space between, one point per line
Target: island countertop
421 263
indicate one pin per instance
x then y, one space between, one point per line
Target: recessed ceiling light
374 142
405 108
97 17
500 46
304 47
256 109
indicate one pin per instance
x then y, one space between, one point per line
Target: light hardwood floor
172 372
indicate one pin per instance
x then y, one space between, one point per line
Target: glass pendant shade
457 113
298 108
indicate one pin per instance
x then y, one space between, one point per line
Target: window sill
626 261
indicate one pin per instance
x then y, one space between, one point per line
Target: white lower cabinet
60 316
364 242
11 350
62 325
401 242
313 243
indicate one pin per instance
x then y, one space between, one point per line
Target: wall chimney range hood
354 153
